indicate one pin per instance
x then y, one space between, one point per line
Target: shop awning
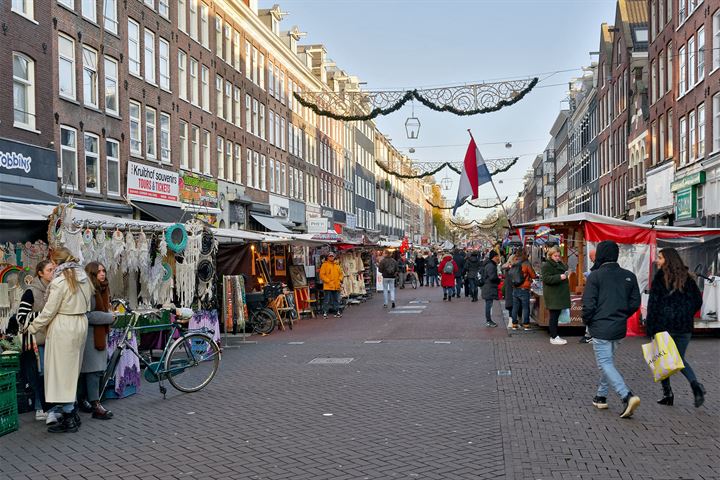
19 193
24 211
270 223
648 219
161 213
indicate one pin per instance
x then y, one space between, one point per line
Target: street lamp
412 127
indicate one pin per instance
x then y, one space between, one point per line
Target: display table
541 316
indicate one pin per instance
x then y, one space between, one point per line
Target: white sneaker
40 415
558 341
53 418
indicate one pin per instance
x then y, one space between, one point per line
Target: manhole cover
400 312
330 361
419 301
504 373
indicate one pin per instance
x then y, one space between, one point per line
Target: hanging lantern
446 183
412 127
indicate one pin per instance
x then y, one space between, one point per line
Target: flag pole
492 182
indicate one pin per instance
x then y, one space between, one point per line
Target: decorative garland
468 202
476 224
460 100
443 165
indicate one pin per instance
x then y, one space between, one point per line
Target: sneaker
558 341
630 404
600 403
490 324
527 327
40 415
324 316
384 305
393 304
53 417
515 326
338 315
585 339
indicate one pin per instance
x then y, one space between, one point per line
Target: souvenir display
176 237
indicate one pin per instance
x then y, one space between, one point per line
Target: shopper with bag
389 270
556 291
611 296
448 269
489 290
674 300
521 274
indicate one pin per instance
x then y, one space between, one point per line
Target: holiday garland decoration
476 224
460 100
468 202
507 164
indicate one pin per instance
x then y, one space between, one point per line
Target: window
206 152
228 101
701 131
283 133
663 146
23 91
164 8
194 90
92 167
219 95
256 170
236 50
149 56
229 160
670 56
164 63
683 141
66 66
204 27
248 113
255 126
254 66
182 15
238 112
282 87
228 44
183 145
277 81
247 59
654 84
89 10
90 77
271 130
292 184
238 163
195 148
182 74
134 47
661 74
262 121
135 133
263 173
150 132
193 19
68 3
670 139
701 54
716 40
682 85
248 168
218 36
111 86
205 80
261 68
654 143
272 175
68 156
692 147
271 79
691 63
150 3
165 137
277 130
283 179
112 156
220 143
23 7
111 16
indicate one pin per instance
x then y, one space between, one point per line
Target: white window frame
149 51
164 9
236 50
255 123
248 113
24 8
248 70
164 63
271 78
90 77
193 27
692 137
263 173
219 83
136 146
261 71
27 85
182 75
205 86
228 44
195 148
237 120
283 179
220 155
182 15
229 168
682 148
183 151
716 40
238 163
89 10
701 131
661 74
111 160
271 129
70 149
151 120
67 3
95 156
716 122
701 71
254 65
62 58
682 65
110 16
206 162
256 170
218 35
272 175
691 58
204 25
248 168
262 121
165 143
228 101
112 84
195 82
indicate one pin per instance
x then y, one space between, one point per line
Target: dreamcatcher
188 245
206 268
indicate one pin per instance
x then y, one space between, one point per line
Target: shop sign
27 161
327 212
351 220
152 185
13 160
279 211
198 191
685 204
688 181
317 225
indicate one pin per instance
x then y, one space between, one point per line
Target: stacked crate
9 369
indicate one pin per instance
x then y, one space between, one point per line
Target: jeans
681 342
388 289
521 298
472 288
488 310
604 353
458 286
65 408
433 280
448 292
553 322
331 301
89 386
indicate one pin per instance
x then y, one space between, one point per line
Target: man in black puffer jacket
611 296
472 267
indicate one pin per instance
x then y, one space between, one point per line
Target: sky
405 44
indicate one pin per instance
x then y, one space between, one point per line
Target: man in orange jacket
331 276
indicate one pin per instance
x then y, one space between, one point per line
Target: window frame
96 156
184 141
90 15
94 84
111 24
107 79
134 53
151 131
108 161
74 150
71 62
165 143
149 57
138 150
26 12
164 64
182 67
28 87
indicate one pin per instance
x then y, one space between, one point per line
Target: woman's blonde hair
62 255
552 251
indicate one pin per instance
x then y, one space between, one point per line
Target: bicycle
409 275
189 362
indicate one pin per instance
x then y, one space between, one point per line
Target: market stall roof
648 219
270 223
229 234
162 213
19 193
24 211
390 243
595 218
309 239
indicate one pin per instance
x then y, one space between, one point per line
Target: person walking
420 268
95 354
490 286
472 270
331 275
459 258
389 270
448 269
65 323
431 266
521 276
674 300
507 288
31 304
611 296
556 291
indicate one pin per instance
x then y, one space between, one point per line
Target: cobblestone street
429 393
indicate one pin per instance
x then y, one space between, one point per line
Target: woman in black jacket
674 300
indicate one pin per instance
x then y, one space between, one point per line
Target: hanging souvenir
118 249
205 276
185 282
130 261
143 252
176 237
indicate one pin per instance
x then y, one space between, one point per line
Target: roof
595 218
635 11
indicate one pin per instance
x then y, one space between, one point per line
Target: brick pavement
406 407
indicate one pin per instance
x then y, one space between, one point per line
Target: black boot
698 392
66 425
668 397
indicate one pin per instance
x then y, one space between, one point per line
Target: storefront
28 174
712 191
154 192
233 204
689 203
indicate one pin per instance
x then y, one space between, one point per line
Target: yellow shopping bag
662 356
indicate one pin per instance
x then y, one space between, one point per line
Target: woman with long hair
95 354
65 325
31 304
674 300
556 291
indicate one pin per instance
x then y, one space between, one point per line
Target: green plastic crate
10 362
8 404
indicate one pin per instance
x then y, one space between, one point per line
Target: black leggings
553 325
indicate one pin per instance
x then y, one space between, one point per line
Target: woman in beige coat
65 324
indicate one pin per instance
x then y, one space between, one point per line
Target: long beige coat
66 329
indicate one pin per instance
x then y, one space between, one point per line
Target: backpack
449 267
517 277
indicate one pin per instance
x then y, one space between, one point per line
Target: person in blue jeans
674 299
611 296
521 293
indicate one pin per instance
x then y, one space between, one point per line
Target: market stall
578 234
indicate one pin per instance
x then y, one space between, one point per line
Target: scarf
102 304
39 291
58 270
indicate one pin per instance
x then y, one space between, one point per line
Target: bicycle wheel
192 362
109 370
263 321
